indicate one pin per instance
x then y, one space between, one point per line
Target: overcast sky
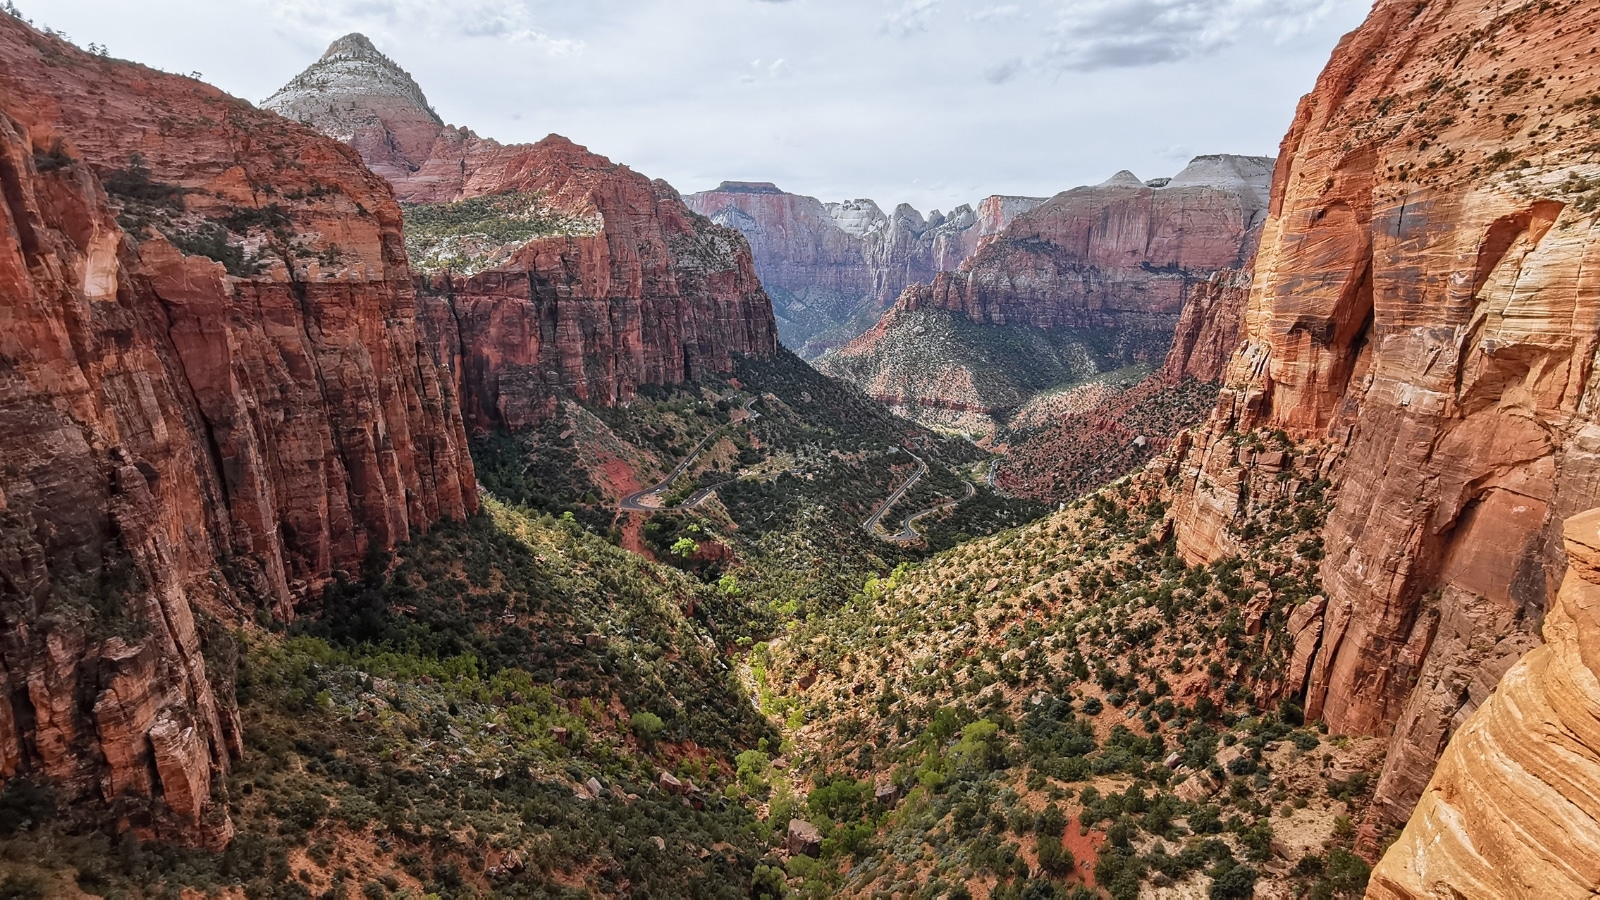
933 102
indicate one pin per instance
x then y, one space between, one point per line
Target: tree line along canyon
387 511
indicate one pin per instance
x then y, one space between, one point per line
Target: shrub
23 887
25 803
1237 883
1344 875
1054 858
647 726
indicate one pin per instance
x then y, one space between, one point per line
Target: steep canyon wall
186 437
1424 308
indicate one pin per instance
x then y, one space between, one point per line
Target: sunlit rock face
1425 303
1513 809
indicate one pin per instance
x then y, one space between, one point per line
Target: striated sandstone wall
1425 302
1513 809
179 447
1118 251
659 296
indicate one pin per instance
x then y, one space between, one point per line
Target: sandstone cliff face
1424 305
1513 809
1119 251
930 363
179 446
815 269
1090 281
825 262
1208 328
628 288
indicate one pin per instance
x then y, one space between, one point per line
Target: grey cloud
1101 34
1003 72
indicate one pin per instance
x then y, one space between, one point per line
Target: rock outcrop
1513 809
832 268
611 284
935 366
1424 309
1209 328
815 269
181 447
357 95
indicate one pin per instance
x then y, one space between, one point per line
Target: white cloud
909 18
508 20
933 102
992 13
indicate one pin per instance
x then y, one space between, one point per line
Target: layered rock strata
1513 809
180 446
935 366
1118 252
1209 328
825 262
624 287
1424 306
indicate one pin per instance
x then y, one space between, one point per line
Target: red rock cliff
657 295
1513 809
645 292
1208 328
1119 251
179 446
1425 301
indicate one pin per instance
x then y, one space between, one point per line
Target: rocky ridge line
646 292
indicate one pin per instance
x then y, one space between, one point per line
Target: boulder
804 839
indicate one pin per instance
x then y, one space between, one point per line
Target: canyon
1093 280
602 280
1353 612
833 268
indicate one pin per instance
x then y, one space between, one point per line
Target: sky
931 102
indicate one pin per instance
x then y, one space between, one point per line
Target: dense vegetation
435 726
467 236
1072 689
794 485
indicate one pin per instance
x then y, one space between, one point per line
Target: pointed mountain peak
356 46
353 86
1123 178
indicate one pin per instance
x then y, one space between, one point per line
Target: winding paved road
872 522
633 502
908 532
911 533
